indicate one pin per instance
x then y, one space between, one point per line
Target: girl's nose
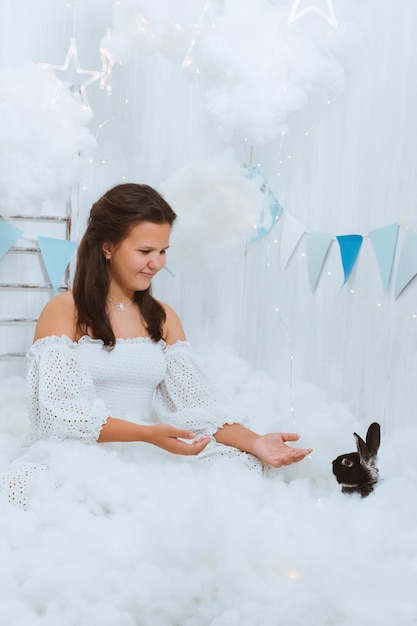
157 261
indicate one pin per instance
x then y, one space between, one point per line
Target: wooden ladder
7 289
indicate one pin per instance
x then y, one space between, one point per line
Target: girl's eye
148 251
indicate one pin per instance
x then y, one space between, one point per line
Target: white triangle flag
292 232
318 245
384 242
407 264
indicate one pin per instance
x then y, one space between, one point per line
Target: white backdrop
195 93
198 90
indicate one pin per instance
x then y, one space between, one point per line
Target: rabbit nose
347 462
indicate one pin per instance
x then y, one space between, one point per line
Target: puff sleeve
62 400
188 398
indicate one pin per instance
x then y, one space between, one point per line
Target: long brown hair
111 219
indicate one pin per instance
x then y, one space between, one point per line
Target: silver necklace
120 306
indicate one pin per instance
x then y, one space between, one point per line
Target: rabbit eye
347 462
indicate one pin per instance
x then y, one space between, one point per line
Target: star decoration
296 13
72 69
107 63
189 62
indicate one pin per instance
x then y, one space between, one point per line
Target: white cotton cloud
151 26
258 67
124 534
217 207
263 68
45 141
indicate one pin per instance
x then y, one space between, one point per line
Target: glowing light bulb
293 573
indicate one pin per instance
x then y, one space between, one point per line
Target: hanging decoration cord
280 320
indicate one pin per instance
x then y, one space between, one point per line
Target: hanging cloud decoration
44 143
218 208
260 67
151 26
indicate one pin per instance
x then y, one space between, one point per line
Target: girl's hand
169 438
272 449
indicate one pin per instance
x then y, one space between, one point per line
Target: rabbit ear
373 438
369 449
364 453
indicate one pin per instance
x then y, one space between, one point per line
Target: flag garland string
384 242
57 253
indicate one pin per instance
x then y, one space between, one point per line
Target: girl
108 357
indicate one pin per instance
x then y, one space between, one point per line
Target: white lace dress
73 387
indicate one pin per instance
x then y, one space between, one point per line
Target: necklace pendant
120 306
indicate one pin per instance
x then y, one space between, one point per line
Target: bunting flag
292 232
318 245
384 242
349 250
275 209
9 234
407 264
56 254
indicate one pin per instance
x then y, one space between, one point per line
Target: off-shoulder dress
73 387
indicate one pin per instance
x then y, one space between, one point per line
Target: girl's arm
270 448
58 319
161 435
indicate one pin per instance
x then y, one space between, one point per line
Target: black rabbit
357 472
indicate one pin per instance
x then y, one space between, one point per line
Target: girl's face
136 259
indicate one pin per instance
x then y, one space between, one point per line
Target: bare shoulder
173 330
58 317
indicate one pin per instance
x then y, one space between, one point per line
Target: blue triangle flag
349 250
407 265
56 254
384 242
9 234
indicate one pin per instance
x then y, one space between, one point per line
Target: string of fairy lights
71 73
74 80
79 78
